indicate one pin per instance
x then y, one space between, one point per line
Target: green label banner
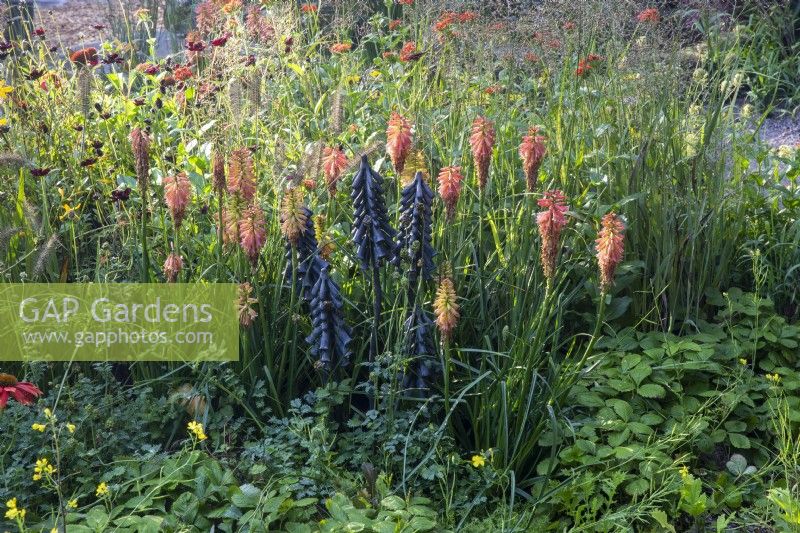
118 322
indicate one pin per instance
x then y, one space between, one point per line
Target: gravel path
777 131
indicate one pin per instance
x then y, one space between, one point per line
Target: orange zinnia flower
394 24
450 179
182 73
333 163
532 151
409 52
85 56
340 48
398 140
309 8
482 142
610 248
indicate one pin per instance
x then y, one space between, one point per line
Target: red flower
394 24
531 57
194 44
409 52
467 16
398 140
569 25
551 222
333 163
481 142
389 55
340 48
405 2
252 232
532 151
177 194
39 32
649 15
445 20
148 68
85 56
492 89
22 391
610 248
450 179
182 73
221 41
309 8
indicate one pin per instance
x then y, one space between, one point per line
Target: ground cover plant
499 268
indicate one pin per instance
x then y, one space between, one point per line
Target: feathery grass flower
532 151
481 142
177 194
610 246
445 308
398 140
23 392
450 181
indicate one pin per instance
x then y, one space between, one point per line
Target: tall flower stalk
372 235
413 245
140 146
330 336
551 222
532 151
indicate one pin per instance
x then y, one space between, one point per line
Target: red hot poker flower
450 180
551 222
532 151
398 140
172 267
482 142
252 232
610 246
177 192
333 163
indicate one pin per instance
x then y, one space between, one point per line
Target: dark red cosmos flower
34 74
112 58
121 195
22 391
5 49
85 56
249 60
288 43
99 27
89 161
40 172
221 41
195 46
138 102
39 32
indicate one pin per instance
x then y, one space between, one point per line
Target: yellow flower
14 512
775 378
3 122
4 90
43 468
743 362
54 530
73 503
71 427
38 427
69 211
375 73
478 461
102 490
197 430
684 472
48 413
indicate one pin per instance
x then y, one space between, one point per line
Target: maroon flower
39 32
221 41
40 172
85 56
22 391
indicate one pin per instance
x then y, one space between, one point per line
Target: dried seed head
140 145
245 303
172 267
